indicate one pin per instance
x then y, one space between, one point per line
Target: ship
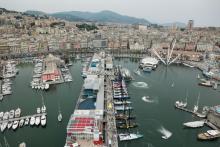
209 135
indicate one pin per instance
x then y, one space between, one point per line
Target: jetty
111 130
23 117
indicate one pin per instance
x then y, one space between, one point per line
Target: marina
151 122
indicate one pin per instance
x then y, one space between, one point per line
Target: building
190 25
213 116
51 73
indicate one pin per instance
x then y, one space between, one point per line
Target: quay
111 130
23 117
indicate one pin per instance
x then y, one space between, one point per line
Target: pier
23 117
111 130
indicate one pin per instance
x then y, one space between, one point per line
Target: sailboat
198 76
181 103
196 107
43 108
172 85
59 117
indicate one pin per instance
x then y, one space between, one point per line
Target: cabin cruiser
129 136
46 86
32 121
37 121
15 125
43 120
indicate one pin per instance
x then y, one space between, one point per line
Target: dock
111 130
23 117
190 111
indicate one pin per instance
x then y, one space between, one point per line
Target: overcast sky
203 12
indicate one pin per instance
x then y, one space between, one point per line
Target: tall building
190 25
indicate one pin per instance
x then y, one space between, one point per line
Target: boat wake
165 133
140 84
147 99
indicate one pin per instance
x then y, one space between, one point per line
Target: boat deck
23 117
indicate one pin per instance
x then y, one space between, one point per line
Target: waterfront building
50 69
213 115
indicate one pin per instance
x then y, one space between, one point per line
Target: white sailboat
32 121
43 120
26 121
37 121
21 123
59 117
15 125
196 107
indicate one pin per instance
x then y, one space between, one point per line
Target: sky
203 12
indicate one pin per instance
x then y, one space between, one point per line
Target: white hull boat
37 121
194 124
43 120
129 136
32 121
15 125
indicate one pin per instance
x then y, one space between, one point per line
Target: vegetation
86 26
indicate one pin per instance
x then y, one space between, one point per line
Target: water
162 114
150 116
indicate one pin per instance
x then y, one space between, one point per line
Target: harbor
148 116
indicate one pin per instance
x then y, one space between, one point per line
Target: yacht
194 124
18 112
15 125
209 135
43 120
4 126
188 65
10 123
129 136
37 120
196 107
26 121
32 121
21 123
